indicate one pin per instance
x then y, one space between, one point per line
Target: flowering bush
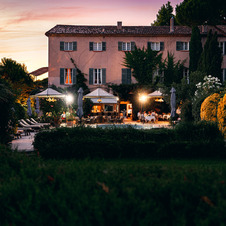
209 85
209 107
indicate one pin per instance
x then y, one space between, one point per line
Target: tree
196 12
211 57
143 62
195 49
17 76
164 15
173 71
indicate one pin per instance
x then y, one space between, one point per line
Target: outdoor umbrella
37 107
29 111
173 102
80 103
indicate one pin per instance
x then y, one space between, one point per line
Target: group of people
147 116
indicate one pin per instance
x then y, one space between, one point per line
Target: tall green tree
195 49
143 62
173 71
196 12
211 57
164 15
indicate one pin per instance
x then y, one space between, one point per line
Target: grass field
122 192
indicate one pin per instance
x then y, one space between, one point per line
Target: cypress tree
211 57
195 49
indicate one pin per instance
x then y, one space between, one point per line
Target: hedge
185 140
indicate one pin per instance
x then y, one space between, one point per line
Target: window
67 76
222 46
182 46
186 74
156 46
126 76
97 76
126 46
68 46
97 46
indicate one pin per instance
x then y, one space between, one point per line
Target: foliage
221 114
143 62
110 192
186 111
196 12
195 78
83 142
17 76
164 15
87 106
173 71
195 49
211 57
209 107
7 116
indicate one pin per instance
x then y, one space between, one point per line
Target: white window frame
97 76
126 46
68 46
222 47
155 46
97 46
68 72
186 74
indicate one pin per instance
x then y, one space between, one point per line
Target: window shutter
149 45
119 46
91 76
161 46
133 46
74 46
103 75
124 76
128 76
91 46
61 46
74 75
62 76
103 46
179 46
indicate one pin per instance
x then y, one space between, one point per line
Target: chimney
119 25
172 24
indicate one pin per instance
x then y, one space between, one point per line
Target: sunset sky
23 23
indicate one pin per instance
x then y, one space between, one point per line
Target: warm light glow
51 99
143 98
69 99
159 100
99 100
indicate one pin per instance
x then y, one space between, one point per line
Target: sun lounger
23 123
45 124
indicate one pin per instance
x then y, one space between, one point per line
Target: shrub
221 115
186 111
209 106
112 143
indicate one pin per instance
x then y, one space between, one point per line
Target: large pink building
98 51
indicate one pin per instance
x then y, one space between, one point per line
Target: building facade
99 51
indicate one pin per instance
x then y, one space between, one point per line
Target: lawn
34 191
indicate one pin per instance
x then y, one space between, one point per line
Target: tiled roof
125 30
112 30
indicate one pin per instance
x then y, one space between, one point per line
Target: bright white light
143 98
69 99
